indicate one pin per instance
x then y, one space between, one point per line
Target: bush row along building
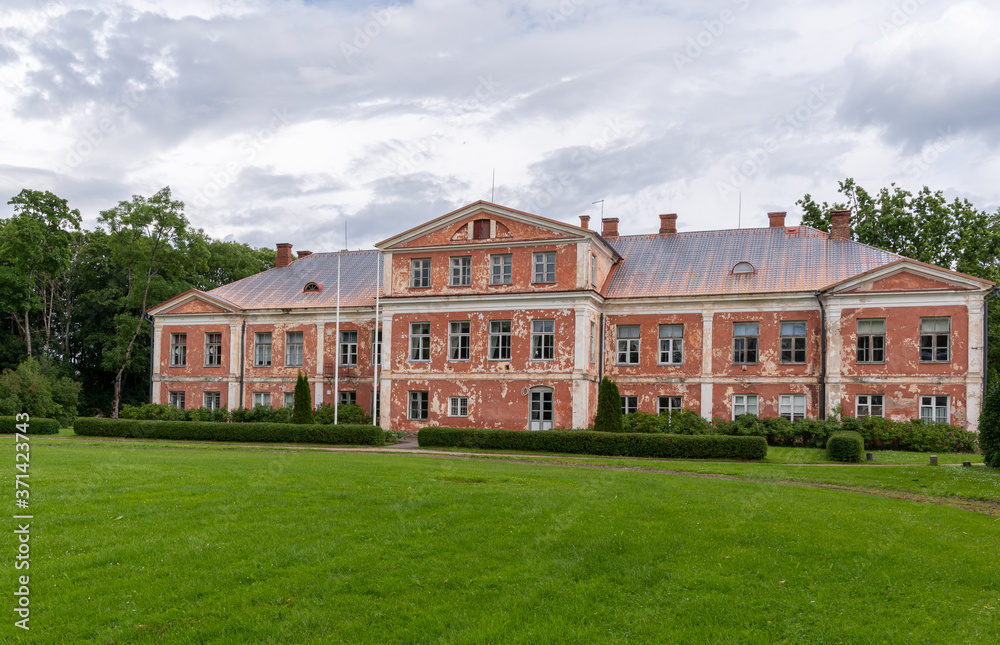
497 318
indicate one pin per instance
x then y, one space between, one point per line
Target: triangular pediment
191 302
908 276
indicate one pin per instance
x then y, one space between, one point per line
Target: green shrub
643 422
845 446
687 421
589 442
609 408
302 409
346 413
989 425
261 414
36 388
8 425
249 432
916 435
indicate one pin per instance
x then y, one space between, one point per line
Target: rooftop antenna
494 189
739 212
345 235
601 202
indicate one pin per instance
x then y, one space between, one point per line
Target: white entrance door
541 410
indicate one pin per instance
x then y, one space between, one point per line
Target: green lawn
141 542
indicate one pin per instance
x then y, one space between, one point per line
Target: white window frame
935 408
348 348
262 349
461 271
459 340
670 401
213 349
500 340
935 335
593 270
289 399
376 347
628 344
864 404
593 342
262 398
544 268
671 344
793 341
630 403
175 399
178 350
213 400
418 405
745 402
543 339
501 268
420 342
347 397
458 406
871 330
792 406
420 273
294 348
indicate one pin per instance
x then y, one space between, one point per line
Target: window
458 340
213 400
420 273
668 404
499 340
176 400
628 344
934 335
934 408
481 229
377 347
376 404
871 341
745 342
593 270
743 268
792 406
418 405
262 398
869 405
793 342
289 399
458 406
744 404
629 404
540 409
593 342
671 344
461 271
347 397
420 341
178 350
349 347
213 350
262 349
543 340
311 287
545 267
501 268
293 349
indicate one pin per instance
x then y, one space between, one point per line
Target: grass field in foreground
138 543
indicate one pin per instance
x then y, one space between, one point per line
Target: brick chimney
776 219
609 227
840 225
668 224
301 254
585 221
284 255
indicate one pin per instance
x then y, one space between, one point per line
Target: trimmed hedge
845 446
589 442
247 432
8 425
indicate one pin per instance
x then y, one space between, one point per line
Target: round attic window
743 267
312 287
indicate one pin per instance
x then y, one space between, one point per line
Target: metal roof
785 259
283 288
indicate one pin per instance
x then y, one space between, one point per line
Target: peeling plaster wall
505 229
902 400
769 344
768 396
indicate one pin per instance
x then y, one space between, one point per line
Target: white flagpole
375 343
336 350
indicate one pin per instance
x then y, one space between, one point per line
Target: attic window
312 287
481 229
743 267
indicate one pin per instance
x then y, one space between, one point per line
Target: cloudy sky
280 121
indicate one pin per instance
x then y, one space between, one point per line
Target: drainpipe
986 338
152 353
243 361
822 353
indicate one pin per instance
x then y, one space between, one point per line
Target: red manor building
496 318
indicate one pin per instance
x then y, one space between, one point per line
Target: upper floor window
628 344
868 405
459 340
178 350
671 344
481 229
461 271
377 347
935 334
871 341
499 340
744 404
420 272
543 340
745 337
420 341
793 342
349 347
545 267
293 349
262 350
934 409
593 342
213 350
593 270
501 268
792 406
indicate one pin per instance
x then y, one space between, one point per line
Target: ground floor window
176 399
868 405
744 404
213 400
377 407
630 404
934 408
458 406
348 397
792 406
540 415
668 404
289 399
262 398
419 405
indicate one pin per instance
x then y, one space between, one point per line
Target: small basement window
312 286
743 267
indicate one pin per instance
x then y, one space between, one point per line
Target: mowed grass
134 543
